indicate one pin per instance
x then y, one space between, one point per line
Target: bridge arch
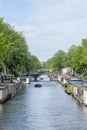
35 75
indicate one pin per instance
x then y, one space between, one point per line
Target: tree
57 61
14 52
35 63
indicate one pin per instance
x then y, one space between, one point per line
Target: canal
44 108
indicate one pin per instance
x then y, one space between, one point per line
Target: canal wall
9 87
8 91
75 87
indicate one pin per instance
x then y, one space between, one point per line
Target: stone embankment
9 88
75 87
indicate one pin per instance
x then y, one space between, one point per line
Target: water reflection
43 78
85 110
1 108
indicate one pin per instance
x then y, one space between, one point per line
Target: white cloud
54 24
27 29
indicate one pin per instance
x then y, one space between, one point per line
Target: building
66 70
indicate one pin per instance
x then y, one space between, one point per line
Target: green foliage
70 55
85 75
35 63
68 87
57 61
14 53
76 58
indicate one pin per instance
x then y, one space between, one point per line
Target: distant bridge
51 75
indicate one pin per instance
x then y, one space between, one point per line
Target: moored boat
38 85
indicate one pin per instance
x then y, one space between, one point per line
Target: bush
65 85
68 87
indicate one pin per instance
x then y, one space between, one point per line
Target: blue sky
48 25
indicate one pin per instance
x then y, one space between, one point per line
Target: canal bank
10 87
75 87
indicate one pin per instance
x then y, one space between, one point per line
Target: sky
48 25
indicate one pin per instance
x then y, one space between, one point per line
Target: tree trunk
4 69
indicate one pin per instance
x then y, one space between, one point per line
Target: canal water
44 108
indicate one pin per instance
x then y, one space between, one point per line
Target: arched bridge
35 75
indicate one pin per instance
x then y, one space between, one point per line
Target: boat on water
68 92
38 85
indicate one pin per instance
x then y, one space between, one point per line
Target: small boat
38 85
68 92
